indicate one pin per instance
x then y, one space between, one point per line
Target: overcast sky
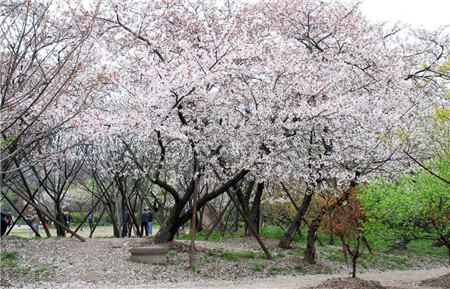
427 13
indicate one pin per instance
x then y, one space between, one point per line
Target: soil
349 283
441 281
105 263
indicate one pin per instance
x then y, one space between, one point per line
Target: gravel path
104 263
404 279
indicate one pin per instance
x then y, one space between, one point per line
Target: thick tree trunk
255 211
176 218
60 231
112 215
116 229
170 228
256 207
310 252
288 236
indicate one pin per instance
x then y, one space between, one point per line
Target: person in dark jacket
67 219
145 216
90 220
6 221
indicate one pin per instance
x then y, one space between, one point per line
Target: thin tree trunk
19 216
331 242
217 221
289 235
96 224
48 216
17 210
250 224
353 267
90 211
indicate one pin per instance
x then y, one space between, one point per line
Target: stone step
149 255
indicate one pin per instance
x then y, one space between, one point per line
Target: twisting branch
427 169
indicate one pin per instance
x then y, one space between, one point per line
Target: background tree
410 207
348 225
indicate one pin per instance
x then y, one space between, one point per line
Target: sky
427 13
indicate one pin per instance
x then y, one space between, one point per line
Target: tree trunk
169 229
354 267
112 215
116 229
331 242
60 231
310 252
256 207
448 251
176 218
289 235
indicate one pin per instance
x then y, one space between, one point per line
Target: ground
100 231
231 263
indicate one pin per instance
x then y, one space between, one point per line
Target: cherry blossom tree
200 99
203 95
343 89
44 58
48 77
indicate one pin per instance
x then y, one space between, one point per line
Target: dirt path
105 263
403 279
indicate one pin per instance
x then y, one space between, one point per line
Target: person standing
35 223
150 223
5 223
144 222
129 224
29 220
45 222
67 219
91 222
9 218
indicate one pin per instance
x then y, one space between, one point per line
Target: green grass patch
10 259
257 267
214 237
424 247
272 232
336 256
235 256
275 270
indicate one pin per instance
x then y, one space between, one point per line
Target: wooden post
90 211
20 215
98 221
217 221
51 218
250 225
